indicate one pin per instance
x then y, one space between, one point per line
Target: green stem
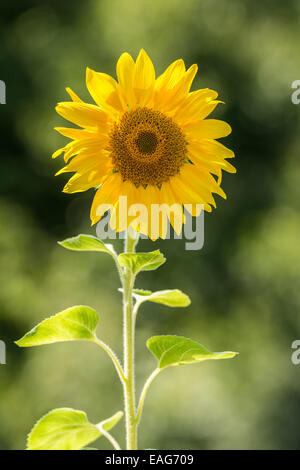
144 393
110 438
113 358
129 325
120 271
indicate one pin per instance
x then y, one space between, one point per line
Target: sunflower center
147 147
146 142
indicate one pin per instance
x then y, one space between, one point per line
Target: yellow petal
196 106
195 211
73 95
79 183
58 152
177 217
82 114
208 129
108 193
157 226
213 165
143 78
105 91
88 145
213 159
201 181
119 218
212 148
127 196
84 163
186 81
186 194
170 77
125 72
169 99
74 133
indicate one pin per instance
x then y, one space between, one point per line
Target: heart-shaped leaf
171 298
86 243
137 262
67 429
74 323
177 350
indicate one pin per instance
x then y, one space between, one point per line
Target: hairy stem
144 393
110 438
113 357
129 326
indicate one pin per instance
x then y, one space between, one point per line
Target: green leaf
140 292
137 262
171 298
110 423
86 243
74 323
177 350
67 429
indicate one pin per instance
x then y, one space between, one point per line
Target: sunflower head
145 138
147 147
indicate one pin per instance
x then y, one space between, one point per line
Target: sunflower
145 138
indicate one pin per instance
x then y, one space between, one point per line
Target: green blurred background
244 283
